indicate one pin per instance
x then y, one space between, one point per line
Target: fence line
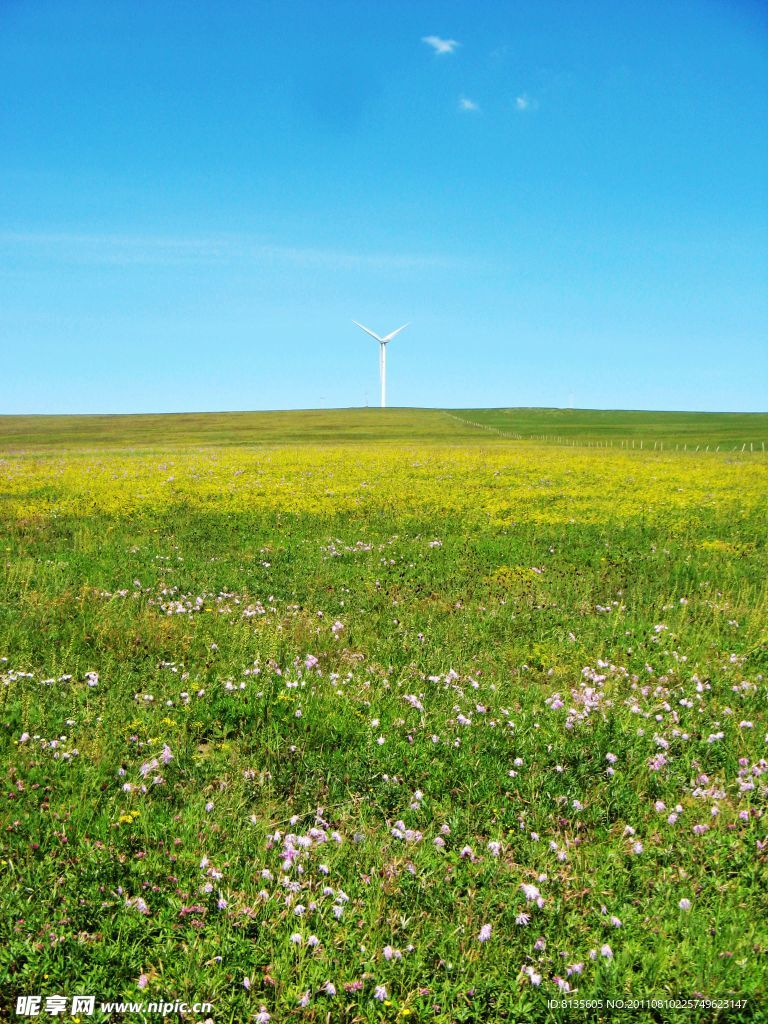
626 443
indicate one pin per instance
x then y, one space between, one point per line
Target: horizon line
378 411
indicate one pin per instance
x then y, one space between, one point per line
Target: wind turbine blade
390 336
367 331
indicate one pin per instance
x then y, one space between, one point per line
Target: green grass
335 426
504 615
612 426
315 426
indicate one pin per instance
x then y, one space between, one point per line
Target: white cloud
440 45
117 249
467 104
162 250
524 102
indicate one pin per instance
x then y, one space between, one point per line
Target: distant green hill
343 426
690 428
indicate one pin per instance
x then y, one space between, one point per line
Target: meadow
357 716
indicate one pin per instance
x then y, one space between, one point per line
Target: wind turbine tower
383 342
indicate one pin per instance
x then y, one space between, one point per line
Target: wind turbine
383 342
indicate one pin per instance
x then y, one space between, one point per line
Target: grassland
428 725
724 430
389 426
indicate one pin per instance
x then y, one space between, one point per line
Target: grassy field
343 717
728 430
343 426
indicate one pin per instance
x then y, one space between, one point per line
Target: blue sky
568 199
